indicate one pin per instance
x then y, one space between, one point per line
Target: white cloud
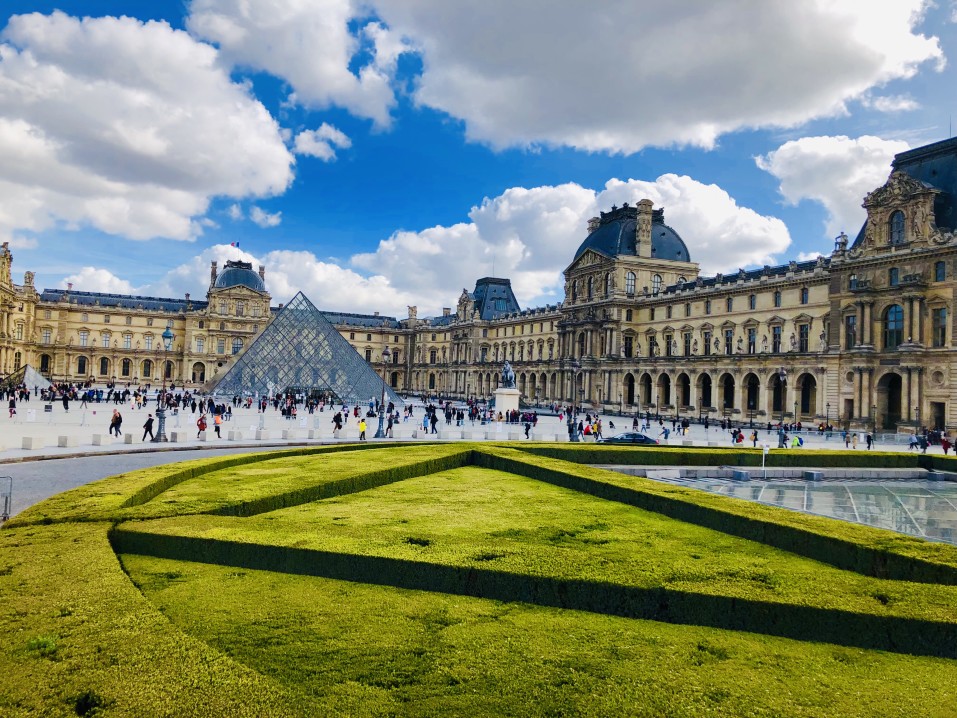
891 103
118 124
235 212
263 218
308 44
642 73
835 171
807 256
320 143
90 279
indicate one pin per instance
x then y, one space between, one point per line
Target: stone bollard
65 441
127 438
102 440
234 435
263 435
32 442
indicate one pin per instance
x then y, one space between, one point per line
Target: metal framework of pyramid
28 376
301 351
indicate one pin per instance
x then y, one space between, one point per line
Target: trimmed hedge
806 623
847 546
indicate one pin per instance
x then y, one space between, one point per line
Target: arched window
681 280
897 227
628 315
630 284
893 326
147 372
104 366
431 381
656 284
729 304
589 288
777 299
81 366
237 345
126 367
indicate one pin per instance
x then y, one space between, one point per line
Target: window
106 318
147 369
939 327
240 309
777 299
237 345
129 321
752 339
202 324
589 288
222 326
729 341
352 335
729 304
47 314
368 355
753 301
433 337
628 315
893 326
852 282
84 339
656 284
897 227
81 365
669 339
84 318
629 347
805 295
222 307
652 346
257 311
17 360
707 343
105 339
149 321
804 337
104 366
687 342
651 313
574 291
200 344
607 285
893 276
630 284
126 367
395 356
940 272
687 309
395 338
127 341
20 332
221 345
368 337
149 341
47 336
707 306
850 331
776 333
668 311
681 280
432 355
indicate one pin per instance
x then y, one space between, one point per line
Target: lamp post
380 432
783 380
161 403
874 418
827 415
572 430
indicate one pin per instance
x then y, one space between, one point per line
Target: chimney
187 296
69 286
446 311
643 230
262 272
376 314
212 273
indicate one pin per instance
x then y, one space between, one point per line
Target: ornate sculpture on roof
899 188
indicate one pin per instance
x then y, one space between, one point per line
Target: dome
616 235
239 274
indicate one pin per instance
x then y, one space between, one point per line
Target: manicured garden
461 579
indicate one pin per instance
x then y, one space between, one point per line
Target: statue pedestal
506 400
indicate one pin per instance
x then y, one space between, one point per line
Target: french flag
234 244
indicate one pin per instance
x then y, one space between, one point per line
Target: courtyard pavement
48 469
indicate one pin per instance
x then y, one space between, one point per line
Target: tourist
148 427
217 423
362 429
13 407
945 444
201 425
869 440
116 421
854 440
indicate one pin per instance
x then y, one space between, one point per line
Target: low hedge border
861 549
804 623
350 485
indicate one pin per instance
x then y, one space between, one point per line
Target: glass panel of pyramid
301 352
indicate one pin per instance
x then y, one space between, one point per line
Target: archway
104 366
629 388
777 394
752 394
889 393
81 366
727 393
683 388
807 396
147 370
45 363
664 391
394 379
199 372
645 389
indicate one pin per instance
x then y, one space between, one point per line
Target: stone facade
863 337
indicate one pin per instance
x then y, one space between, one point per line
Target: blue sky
390 152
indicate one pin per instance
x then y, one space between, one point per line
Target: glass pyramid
28 376
301 352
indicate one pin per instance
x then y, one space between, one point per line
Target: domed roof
239 274
616 235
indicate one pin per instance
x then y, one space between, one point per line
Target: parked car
628 437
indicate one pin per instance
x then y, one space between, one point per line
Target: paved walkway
42 472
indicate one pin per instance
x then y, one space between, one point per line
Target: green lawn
459 580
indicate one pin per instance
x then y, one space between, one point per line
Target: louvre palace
863 337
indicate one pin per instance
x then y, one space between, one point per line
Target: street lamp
783 381
380 432
161 403
827 416
874 418
572 430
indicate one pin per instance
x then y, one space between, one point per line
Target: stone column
862 325
908 388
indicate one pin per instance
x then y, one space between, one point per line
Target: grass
483 581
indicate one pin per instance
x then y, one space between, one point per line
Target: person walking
869 440
217 423
148 427
854 440
200 425
362 429
13 407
